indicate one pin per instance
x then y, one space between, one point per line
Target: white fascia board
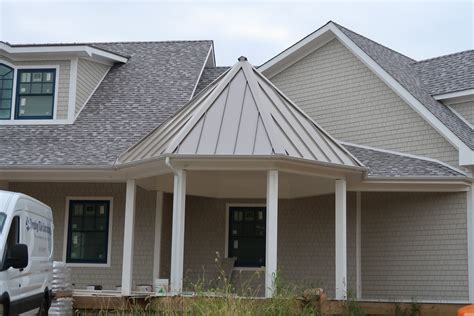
455 97
417 106
209 60
63 49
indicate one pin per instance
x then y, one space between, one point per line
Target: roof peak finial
242 58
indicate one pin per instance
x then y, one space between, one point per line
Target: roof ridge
95 43
444 56
386 47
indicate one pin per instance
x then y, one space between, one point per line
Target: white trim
341 239
358 245
465 153
71 109
459 115
374 300
158 233
62 49
128 237
227 217
92 93
201 71
455 97
109 238
470 241
406 155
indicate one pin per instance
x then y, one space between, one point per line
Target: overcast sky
256 29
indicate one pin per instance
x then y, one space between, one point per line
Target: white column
158 230
358 245
177 241
341 240
272 232
129 225
470 241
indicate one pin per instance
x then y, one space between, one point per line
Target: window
6 91
88 231
247 236
35 93
13 238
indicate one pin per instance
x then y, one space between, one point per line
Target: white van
26 248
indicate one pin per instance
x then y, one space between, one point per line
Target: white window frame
12 120
109 239
227 215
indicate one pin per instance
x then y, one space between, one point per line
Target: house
339 163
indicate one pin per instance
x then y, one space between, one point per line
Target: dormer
49 84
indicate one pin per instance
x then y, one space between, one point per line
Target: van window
3 217
13 237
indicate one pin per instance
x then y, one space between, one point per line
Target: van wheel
44 308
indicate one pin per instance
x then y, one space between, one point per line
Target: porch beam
341 240
158 233
272 232
177 241
128 236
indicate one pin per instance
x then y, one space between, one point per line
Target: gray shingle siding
133 99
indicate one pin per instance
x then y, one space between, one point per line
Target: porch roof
241 114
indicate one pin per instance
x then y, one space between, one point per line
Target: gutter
169 165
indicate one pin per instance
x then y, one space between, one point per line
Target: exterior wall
354 105
109 277
414 246
62 81
89 75
306 235
466 110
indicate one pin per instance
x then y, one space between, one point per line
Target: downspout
169 165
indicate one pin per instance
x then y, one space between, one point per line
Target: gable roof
402 78
241 114
132 100
447 74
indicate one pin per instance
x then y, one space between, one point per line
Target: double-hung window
35 93
88 231
6 91
247 236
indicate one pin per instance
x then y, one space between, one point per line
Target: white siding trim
470 241
341 239
109 238
72 90
460 116
358 245
158 233
456 97
271 235
209 54
128 238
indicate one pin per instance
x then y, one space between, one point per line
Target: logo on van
37 226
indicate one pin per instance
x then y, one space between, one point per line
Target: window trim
12 98
109 237
38 68
227 218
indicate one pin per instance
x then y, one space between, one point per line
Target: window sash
86 235
6 93
41 92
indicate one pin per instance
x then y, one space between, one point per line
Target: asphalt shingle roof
209 74
383 164
445 74
403 69
133 99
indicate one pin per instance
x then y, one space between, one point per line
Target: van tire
45 304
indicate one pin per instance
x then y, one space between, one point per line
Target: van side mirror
18 258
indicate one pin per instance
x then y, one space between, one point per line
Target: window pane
7 84
47 88
5 104
4 114
25 88
4 70
35 106
36 88
25 77
48 76
37 77
6 94
76 223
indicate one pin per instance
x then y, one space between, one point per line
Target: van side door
14 276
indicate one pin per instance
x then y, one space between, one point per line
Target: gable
348 100
89 75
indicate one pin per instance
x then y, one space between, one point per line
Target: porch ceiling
241 184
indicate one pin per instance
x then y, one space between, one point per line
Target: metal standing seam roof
243 114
